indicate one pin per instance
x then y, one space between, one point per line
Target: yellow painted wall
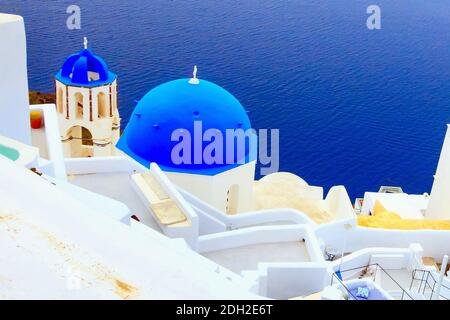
383 219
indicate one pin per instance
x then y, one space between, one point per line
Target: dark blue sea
357 107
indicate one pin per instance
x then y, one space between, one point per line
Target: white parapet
439 205
53 139
14 109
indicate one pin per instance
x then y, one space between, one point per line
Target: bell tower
86 102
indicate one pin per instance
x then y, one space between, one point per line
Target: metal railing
343 285
426 280
378 268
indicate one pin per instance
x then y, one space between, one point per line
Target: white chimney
14 102
439 205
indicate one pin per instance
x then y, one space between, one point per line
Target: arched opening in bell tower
102 105
81 142
79 105
59 100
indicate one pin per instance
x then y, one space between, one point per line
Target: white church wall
200 186
241 177
214 189
14 101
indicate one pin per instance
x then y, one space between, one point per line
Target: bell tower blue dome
182 105
85 69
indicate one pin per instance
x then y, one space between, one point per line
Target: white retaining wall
285 281
103 165
213 220
435 243
261 235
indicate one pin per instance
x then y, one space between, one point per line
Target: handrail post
421 281
412 280
441 278
375 273
426 282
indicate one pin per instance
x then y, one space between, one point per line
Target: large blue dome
179 106
85 69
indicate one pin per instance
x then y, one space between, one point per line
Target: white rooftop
56 247
407 206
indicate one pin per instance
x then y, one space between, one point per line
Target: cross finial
194 79
85 42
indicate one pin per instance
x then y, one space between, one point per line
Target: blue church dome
85 69
180 106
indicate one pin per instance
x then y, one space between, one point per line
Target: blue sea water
355 107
